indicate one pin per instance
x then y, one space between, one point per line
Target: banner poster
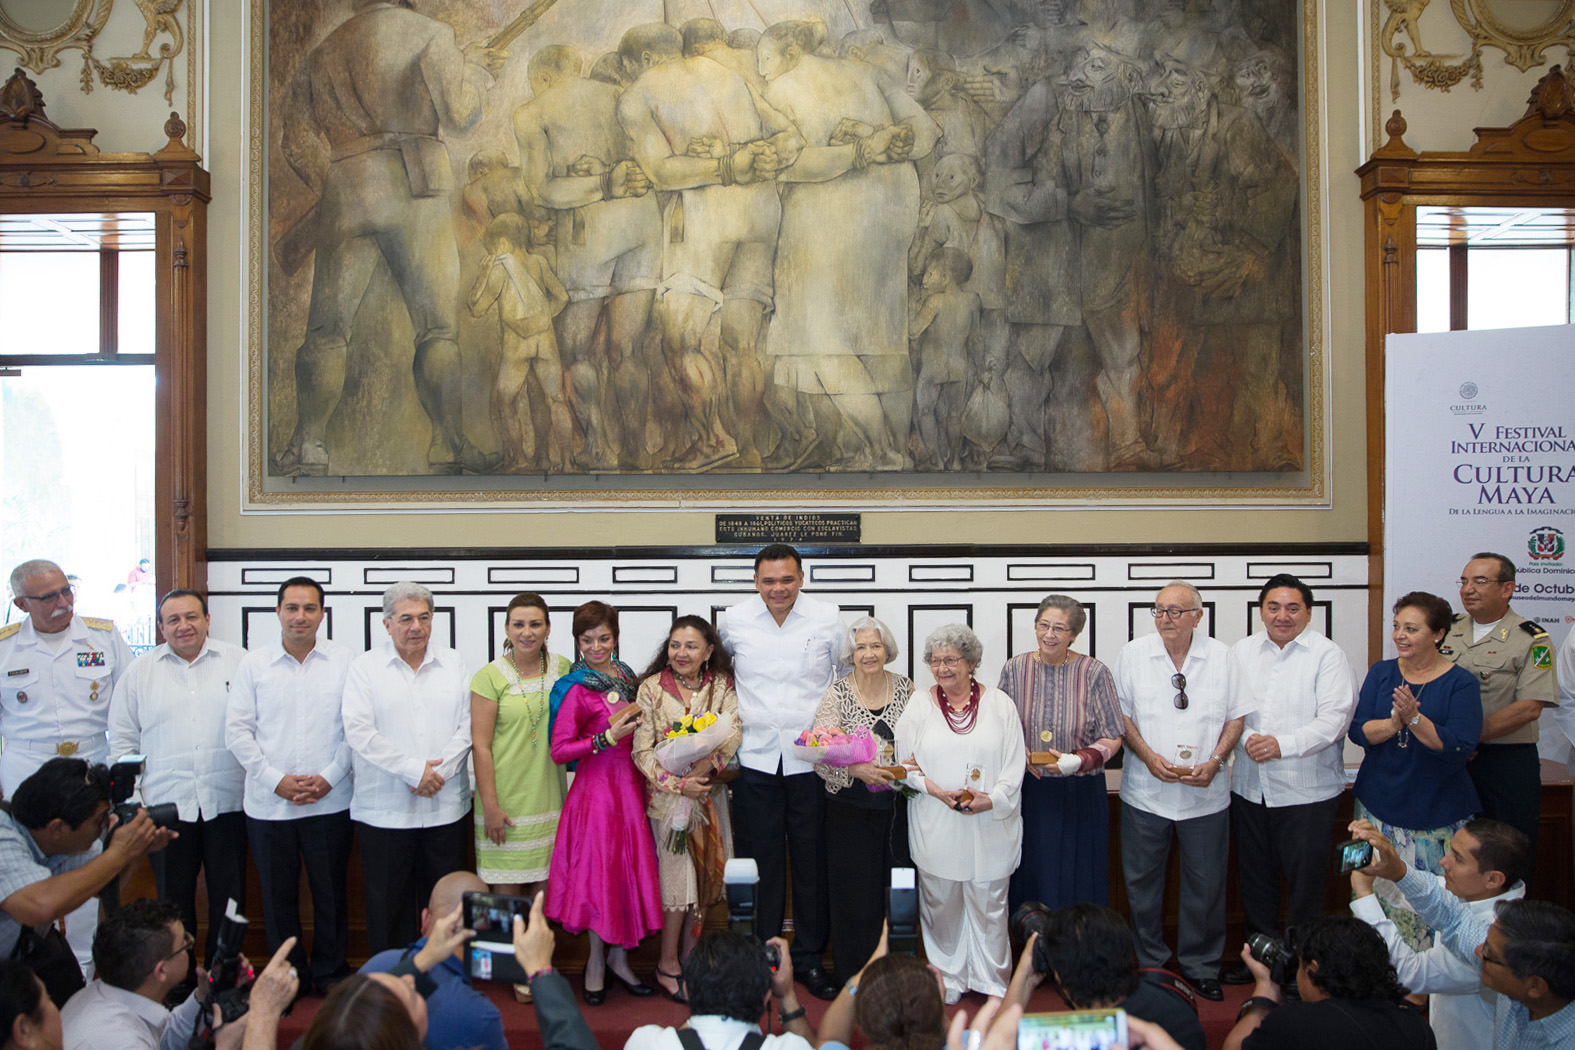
1479 455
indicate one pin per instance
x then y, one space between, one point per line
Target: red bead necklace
960 721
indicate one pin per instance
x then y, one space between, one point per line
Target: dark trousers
280 847
1508 778
217 847
779 820
1293 841
867 844
399 867
1145 849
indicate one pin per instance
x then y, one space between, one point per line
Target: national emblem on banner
1546 544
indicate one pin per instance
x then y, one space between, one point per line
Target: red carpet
621 1014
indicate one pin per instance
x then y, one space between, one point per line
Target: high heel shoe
593 998
638 990
678 996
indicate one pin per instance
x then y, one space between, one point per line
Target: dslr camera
741 876
123 776
1279 956
225 987
1029 918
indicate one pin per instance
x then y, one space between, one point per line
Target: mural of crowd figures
719 236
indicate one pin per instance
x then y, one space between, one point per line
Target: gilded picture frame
402 458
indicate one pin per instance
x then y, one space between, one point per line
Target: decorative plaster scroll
1485 24
1435 72
1522 46
41 48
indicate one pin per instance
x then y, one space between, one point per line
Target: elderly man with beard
1071 173
1227 207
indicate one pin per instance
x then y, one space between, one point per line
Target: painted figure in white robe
839 338
701 135
966 831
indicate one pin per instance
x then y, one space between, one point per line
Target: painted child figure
943 332
954 217
527 295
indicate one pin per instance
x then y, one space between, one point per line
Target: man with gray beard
1070 168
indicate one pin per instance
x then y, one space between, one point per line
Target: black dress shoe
1207 987
821 984
1237 974
640 991
595 998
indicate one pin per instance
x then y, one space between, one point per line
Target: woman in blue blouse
1419 718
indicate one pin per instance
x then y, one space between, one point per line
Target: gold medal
1044 736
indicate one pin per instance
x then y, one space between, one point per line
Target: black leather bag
52 960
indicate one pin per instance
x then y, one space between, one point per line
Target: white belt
65 748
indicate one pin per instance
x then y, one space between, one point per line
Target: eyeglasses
1489 957
945 661
1052 628
1479 581
1161 613
185 946
1179 680
51 597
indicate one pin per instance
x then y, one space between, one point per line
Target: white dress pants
965 934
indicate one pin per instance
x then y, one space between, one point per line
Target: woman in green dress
519 788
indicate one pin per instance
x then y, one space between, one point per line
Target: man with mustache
57 672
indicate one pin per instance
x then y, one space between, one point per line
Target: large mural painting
577 237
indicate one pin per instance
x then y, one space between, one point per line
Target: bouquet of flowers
689 741
828 746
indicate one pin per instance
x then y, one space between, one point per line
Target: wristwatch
1415 719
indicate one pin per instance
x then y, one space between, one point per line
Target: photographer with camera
141 956
457 1014
1526 954
730 983
1485 864
51 862
1086 953
1349 993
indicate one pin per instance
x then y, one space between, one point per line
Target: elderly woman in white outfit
966 831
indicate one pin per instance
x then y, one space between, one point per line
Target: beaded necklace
960 721
533 713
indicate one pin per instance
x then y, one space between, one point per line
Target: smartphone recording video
1353 854
489 956
1073 1030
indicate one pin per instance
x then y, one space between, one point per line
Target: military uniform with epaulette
56 702
1514 661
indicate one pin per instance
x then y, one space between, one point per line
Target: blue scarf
596 681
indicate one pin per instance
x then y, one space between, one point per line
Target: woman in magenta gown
603 877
